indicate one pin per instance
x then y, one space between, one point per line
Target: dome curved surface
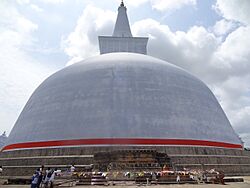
122 97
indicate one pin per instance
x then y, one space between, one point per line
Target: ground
245 184
231 185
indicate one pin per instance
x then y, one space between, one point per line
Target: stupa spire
122 39
122 27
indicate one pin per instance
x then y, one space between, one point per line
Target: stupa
124 100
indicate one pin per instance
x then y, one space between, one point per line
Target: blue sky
209 38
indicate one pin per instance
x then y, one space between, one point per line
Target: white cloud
237 10
242 119
133 3
235 52
36 8
20 73
185 49
23 1
223 27
52 1
83 41
160 5
163 5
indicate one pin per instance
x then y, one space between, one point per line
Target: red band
120 141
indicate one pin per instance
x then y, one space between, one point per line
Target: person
52 178
49 173
34 179
72 168
41 175
178 179
127 174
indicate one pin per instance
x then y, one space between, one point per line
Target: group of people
43 178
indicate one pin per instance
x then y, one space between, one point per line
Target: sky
208 38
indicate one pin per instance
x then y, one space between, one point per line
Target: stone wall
24 162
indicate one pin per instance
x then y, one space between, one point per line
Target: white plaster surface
122 95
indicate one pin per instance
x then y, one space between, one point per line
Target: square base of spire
108 44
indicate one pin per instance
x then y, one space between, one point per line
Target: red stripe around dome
119 141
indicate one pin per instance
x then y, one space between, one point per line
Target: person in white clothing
178 179
52 178
72 168
49 173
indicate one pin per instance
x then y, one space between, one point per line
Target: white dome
126 98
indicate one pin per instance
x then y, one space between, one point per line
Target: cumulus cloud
36 8
52 1
223 27
237 10
83 41
242 119
234 52
19 72
222 64
133 3
163 5
160 5
185 49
